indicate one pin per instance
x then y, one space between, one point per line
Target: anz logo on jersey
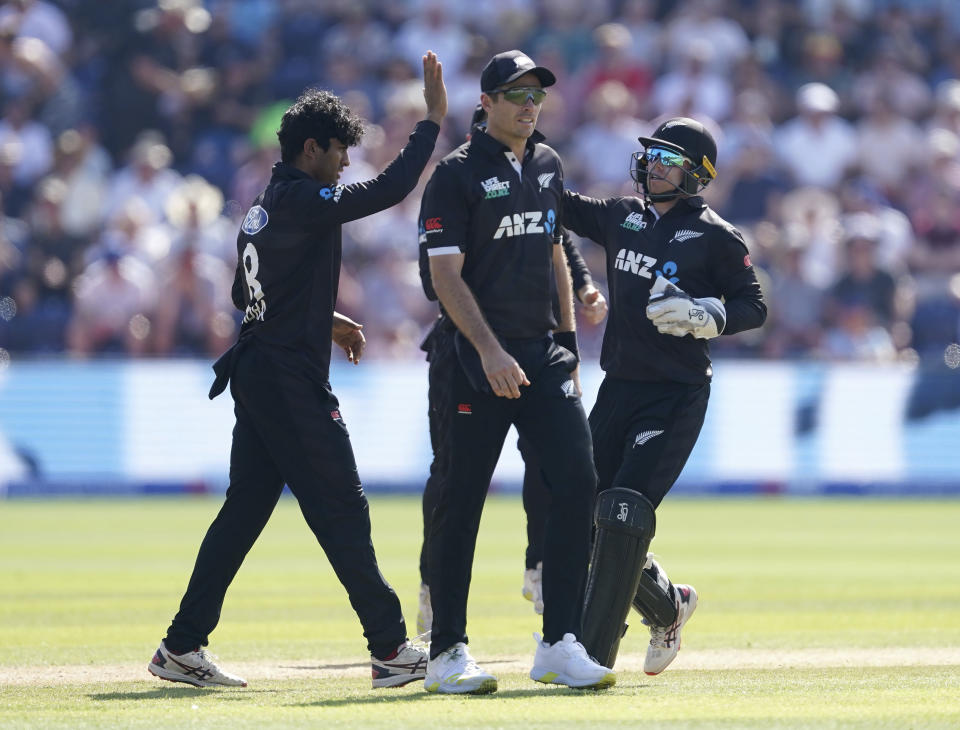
636 263
531 221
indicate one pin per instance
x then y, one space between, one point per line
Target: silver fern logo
645 436
569 389
545 179
685 235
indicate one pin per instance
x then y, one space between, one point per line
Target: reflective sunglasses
519 94
664 156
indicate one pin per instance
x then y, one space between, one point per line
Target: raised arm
342 203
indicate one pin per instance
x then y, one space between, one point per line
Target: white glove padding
674 312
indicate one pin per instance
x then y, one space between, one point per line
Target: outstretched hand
434 91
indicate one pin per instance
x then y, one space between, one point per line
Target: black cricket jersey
503 221
692 247
289 249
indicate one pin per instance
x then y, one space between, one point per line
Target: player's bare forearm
459 302
503 372
564 290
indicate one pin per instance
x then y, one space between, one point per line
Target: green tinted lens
520 95
665 157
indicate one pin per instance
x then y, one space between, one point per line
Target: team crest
255 221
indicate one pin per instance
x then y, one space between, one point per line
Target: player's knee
625 510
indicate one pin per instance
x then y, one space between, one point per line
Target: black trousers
555 425
536 496
536 502
643 433
288 430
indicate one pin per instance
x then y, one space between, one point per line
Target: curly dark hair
319 115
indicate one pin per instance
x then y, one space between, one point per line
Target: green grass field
836 613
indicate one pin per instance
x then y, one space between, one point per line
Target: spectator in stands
608 137
41 20
855 335
193 315
113 305
17 127
84 183
615 62
817 127
886 77
155 79
794 326
946 113
147 176
694 87
708 19
860 196
862 280
885 128
193 212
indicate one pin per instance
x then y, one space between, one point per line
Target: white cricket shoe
455 672
665 640
567 662
424 610
408 663
533 587
194 667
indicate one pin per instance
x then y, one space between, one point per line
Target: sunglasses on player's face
664 156
519 94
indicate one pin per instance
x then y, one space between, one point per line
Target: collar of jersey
287 171
495 148
695 203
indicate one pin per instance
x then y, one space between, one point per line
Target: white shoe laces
206 657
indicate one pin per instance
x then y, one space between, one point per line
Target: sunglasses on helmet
519 94
664 156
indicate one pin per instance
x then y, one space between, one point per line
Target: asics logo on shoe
198 672
645 436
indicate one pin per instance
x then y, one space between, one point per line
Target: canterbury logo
685 235
645 436
545 179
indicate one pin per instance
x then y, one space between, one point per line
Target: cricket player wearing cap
489 217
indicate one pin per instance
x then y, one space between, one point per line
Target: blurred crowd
134 136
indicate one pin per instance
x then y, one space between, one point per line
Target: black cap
689 137
510 66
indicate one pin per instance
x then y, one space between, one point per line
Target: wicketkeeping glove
674 312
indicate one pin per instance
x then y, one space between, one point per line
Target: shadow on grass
330 667
172 693
381 696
